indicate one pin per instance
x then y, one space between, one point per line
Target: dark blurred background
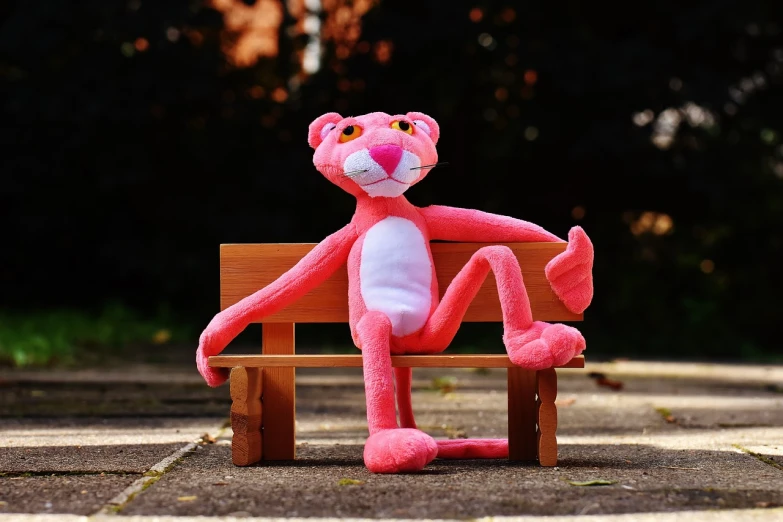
138 135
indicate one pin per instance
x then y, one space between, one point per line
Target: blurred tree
139 135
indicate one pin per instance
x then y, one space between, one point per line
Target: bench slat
246 268
355 361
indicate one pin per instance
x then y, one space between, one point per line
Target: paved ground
151 441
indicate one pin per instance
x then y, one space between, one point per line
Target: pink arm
569 273
312 270
460 224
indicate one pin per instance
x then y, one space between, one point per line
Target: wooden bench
263 386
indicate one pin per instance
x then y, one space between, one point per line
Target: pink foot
399 450
544 345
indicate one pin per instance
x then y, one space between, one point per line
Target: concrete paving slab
720 372
135 458
129 445
715 516
705 439
728 515
78 494
62 397
773 451
80 431
477 406
647 479
126 372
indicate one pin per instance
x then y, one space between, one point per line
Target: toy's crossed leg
533 345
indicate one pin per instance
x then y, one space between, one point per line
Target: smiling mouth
391 178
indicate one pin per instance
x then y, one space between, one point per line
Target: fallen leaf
349 482
220 483
603 380
598 482
84 492
3 503
565 403
766 504
444 384
190 498
666 413
207 439
677 467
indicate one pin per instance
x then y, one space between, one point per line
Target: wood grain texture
246 415
547 417
355 361
521 414
279 394
246 268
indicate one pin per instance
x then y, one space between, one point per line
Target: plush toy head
376 154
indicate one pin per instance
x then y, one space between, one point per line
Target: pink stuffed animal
393 294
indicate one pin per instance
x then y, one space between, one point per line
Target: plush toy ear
321 127
427 124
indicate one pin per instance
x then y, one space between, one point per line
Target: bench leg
279 394
246 387
546 388
522 414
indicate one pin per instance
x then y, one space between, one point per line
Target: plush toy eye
351 132
403 126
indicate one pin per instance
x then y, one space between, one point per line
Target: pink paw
571 273
544 345
399 450
208 346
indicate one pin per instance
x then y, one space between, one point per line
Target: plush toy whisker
441 164
355 172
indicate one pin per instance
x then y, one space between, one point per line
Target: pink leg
403 378
389 449
532 345
442 326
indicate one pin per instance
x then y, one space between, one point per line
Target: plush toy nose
387 156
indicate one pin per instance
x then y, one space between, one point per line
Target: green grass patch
49 337
349 482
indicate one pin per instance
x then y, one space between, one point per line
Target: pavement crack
150 477
762 458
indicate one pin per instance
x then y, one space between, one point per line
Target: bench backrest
246 268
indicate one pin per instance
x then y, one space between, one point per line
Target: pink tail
473 449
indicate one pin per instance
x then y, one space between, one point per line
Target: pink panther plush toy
393 294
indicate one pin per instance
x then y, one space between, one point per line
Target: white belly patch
396 274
